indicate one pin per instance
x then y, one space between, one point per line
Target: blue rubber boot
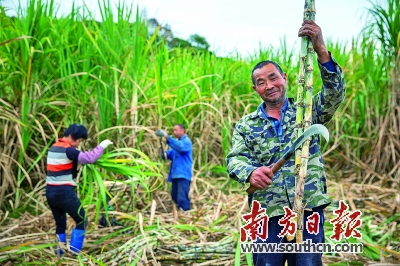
77 238
61 238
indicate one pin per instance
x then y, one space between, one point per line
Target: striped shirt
62 163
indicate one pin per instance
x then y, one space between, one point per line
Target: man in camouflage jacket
261 138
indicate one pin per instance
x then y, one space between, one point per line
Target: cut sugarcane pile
207 235
158 246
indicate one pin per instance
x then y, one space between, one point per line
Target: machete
312 130
163 149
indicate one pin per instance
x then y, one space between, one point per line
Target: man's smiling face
270 84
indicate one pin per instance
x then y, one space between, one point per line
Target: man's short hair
77 131
263 63
181 126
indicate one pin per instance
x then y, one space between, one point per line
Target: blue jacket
180 155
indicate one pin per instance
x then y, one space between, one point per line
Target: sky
242 26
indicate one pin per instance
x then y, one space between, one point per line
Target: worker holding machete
263 137
180 173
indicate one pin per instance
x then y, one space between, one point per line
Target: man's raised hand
161 133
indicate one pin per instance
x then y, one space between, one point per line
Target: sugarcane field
122 144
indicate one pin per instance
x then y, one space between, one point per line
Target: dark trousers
63 200
180 193
293 259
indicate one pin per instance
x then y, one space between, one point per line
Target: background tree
178 42
199 41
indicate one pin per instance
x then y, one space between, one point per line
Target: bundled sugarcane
130 163
224 245
193 257
126 166
133 250
303 118
187 253
159 244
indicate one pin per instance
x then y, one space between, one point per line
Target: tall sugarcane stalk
303 117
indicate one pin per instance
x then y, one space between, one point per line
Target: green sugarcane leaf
238 253
384 237
219 220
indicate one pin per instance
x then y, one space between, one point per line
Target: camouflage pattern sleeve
332 94
238 161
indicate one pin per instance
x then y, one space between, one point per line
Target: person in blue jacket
180 173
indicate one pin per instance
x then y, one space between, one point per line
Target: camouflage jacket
255 144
